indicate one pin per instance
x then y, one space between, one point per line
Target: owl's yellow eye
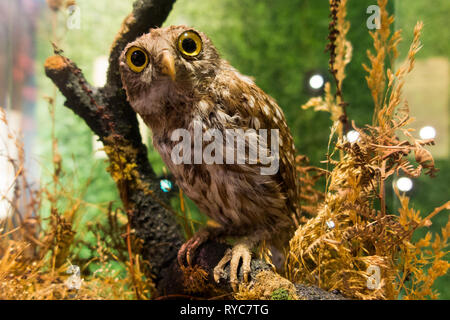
137 59
190 43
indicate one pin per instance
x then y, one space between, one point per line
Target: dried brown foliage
310 197
41 238
351 245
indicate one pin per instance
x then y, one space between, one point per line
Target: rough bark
108 114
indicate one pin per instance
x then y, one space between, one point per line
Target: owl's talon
219 269
240 251
191 249
187 250
182 253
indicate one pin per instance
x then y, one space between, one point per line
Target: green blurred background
278 43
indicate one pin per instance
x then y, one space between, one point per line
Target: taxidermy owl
175 79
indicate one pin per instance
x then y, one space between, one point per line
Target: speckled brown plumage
175 91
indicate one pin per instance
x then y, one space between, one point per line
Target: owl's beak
168 65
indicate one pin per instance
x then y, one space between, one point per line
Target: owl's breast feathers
238 196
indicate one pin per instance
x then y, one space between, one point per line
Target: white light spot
427 132
144 130
100 69
330 224
316 81
8 153
404 184
165 185
352 136
98 148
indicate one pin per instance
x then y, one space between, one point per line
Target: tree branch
175 282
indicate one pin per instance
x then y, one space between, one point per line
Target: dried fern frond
348 240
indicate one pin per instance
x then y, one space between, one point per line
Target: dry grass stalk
340 55
385 54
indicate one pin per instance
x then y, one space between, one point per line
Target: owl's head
167 62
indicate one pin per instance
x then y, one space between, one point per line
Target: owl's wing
240 104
